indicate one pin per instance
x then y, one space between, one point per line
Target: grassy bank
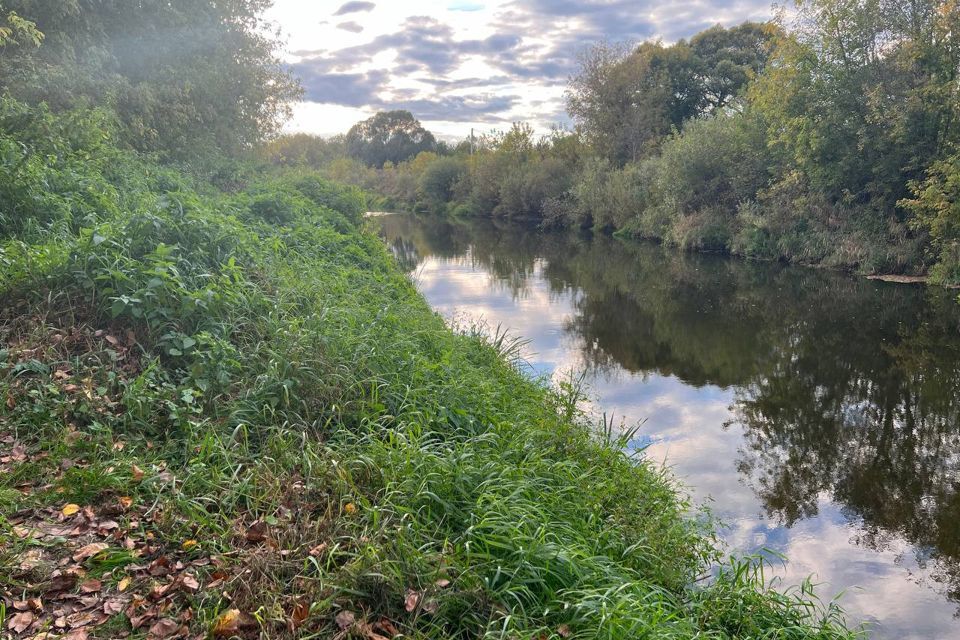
228 413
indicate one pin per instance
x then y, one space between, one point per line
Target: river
814 413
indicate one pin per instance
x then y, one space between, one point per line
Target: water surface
815 412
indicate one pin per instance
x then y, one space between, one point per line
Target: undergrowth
242 418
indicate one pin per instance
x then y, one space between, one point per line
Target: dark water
816 413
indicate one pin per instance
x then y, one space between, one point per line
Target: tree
14 31
729 59
627 100
389 136
186 79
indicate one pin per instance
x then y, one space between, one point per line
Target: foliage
388 136
936 207
197 78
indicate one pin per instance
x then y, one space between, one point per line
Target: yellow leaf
350 508
126 501
189 544
70 509
123 584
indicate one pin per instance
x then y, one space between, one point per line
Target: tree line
826 136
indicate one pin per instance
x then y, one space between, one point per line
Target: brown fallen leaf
126 501
91 586
136 472
113 606
257 532
31 559
163 628
443 583
299 615
159 567
20 622
318 550
412 600
80 619
76 634
89 551
563 631
189 582
387 627
232 622
21 532
345 619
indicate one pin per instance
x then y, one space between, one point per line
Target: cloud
355 7
489 62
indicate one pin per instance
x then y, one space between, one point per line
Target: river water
815 413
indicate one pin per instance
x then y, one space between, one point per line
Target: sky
462 64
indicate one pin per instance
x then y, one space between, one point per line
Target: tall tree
388 136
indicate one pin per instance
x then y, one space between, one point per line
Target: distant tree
389 136
729 59
303 149
627 100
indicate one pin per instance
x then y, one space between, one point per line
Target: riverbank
231 414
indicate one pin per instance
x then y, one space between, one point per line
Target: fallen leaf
563 631
299 615
136 472
31 559
20 622
123 584
257 532
387 627
76 634
318 550
126 501
232 622
189 544
159 567
350 508
91 586
70 509
80 619
111 339
443 583
345 619
113 606
11 404
412 600
190 582
163 628
89 551
36 604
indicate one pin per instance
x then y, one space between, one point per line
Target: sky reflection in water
816 413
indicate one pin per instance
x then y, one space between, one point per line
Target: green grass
187 362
